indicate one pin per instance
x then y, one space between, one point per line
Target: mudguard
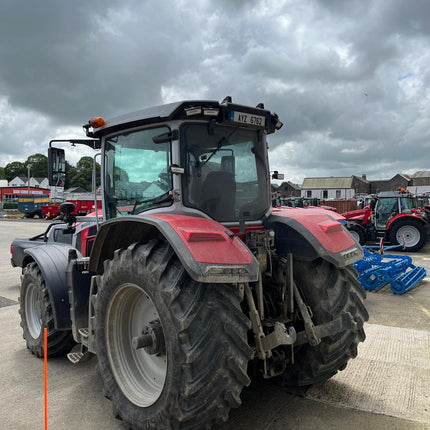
208 251
53 261
312 232
413 216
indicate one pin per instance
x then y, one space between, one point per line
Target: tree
14 169
84 174
39 165
70 174
2 174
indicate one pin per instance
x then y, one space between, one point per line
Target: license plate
248 118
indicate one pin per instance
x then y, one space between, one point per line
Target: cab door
385 209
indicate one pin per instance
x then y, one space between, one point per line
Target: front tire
358 233
328 291
412 231
36 313
196 369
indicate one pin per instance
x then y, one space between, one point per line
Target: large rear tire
411 231
194 371
328 291
37 313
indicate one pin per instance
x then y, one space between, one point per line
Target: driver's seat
218 195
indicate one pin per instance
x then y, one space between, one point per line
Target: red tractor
391 216
192 274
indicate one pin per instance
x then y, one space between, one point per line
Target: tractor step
79 354
84 332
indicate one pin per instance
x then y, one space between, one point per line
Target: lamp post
28 182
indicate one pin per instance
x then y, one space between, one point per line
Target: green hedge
10 205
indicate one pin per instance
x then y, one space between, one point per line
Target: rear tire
197 378
36 314
328 291
412 230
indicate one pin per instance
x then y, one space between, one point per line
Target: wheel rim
141 376
33 310
410 233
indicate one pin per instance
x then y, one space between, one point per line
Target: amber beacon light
97 122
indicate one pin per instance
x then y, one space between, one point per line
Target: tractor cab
389 205
199 158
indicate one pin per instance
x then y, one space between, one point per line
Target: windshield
137 174
225 172
407 204
386 209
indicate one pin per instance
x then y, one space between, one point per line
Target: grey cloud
349 79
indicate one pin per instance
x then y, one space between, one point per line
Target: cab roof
182 110
396 194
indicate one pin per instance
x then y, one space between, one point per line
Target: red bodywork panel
362 215
88 234
414 215
207 240
323 225
86 239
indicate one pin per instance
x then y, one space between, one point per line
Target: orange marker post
46 375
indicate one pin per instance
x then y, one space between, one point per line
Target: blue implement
376 271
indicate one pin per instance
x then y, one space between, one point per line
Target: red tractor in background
82 207
392 216
423 203
192 274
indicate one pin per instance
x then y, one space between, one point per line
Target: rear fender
208 251
312 233
53 261
413 216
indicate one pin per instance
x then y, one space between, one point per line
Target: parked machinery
391 216
192 273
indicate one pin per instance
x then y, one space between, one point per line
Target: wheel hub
151 339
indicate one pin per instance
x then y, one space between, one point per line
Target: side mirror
66 209
277 175
56 166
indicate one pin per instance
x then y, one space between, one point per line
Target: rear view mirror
277 175
56 166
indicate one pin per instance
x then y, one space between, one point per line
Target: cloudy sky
349 79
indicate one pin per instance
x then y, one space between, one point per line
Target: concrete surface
386 387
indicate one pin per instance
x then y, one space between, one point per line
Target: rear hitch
265 343
279 336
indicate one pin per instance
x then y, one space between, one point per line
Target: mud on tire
36 313
205 336
328 291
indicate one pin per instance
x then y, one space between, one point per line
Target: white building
334 187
